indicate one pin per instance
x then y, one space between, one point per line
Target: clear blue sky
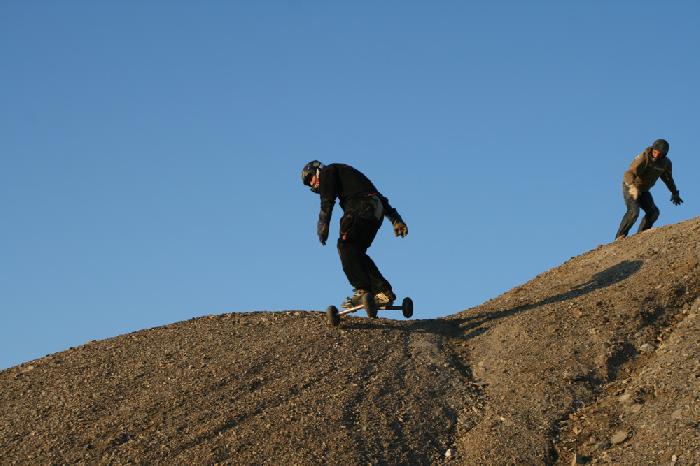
150 151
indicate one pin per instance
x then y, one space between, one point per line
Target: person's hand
634 192
676 198
400 228
322 230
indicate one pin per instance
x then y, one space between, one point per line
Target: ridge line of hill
596 360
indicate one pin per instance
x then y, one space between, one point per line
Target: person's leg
381 288
358 228
377 281
352 259
352 253
651 212
630 216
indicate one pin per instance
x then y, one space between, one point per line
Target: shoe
385 298
354 300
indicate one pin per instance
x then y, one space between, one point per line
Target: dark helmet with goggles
310 170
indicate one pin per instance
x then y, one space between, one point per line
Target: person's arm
400 228
324 219
667 178
328 191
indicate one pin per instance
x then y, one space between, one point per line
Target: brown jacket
644 171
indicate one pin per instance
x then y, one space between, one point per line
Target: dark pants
358 227
646 202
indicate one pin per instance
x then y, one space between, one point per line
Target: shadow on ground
474 325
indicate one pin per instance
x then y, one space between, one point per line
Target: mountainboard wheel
407 307
332 315
369 305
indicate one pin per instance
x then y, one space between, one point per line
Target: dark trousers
358 227
646 202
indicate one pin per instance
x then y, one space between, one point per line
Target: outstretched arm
400 228
667 178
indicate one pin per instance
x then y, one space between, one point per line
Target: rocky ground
595 361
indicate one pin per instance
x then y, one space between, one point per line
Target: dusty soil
595 361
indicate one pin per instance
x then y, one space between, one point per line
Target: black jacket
343 182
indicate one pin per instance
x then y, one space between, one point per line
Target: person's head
311 175
659 148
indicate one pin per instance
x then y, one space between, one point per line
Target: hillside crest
596 360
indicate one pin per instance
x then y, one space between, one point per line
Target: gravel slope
249 388
559 344
593 361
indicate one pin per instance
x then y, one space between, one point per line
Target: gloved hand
634 191
322 231
676 198
400 228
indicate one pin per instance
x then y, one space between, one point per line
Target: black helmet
661 145
310 169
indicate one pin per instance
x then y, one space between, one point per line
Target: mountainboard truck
333 314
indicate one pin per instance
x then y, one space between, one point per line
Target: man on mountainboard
364 209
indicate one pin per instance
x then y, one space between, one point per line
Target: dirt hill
595 361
